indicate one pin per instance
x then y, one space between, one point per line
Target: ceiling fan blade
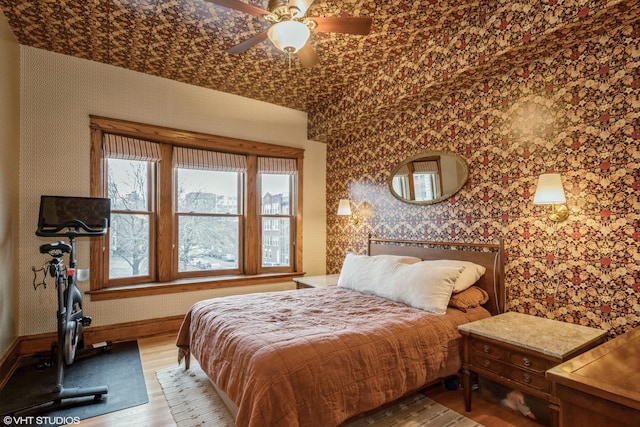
249 43
241 6
307 56
347 25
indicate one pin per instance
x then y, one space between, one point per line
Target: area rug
194 402
119 368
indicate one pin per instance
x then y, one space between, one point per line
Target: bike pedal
86 321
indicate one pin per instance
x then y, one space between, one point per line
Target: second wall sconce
344 208
550 192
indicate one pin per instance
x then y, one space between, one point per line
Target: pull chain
555 259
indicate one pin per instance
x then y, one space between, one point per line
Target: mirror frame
457 157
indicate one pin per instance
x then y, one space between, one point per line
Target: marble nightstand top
551 337
318 281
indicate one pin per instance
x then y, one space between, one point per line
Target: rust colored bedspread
316 357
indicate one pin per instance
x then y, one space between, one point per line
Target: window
427 180
419 180
208 213
130 243
277 180
130 168
191 210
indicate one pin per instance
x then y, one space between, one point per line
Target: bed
318 357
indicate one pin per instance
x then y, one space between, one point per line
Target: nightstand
325 281
516 350
601 386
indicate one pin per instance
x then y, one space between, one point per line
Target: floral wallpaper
517 88
566 101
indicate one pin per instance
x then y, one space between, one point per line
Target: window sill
187 285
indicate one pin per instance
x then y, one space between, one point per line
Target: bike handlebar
73 230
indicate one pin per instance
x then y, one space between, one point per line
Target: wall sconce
550 192
344 208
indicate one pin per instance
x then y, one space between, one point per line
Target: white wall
9 137
58 93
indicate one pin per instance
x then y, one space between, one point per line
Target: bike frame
68 295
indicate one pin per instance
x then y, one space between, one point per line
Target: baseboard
29 345
133 330
9 361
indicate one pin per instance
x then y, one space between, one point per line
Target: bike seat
55 246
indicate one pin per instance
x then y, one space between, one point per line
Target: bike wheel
70 341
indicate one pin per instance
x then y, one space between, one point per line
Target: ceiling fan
290 29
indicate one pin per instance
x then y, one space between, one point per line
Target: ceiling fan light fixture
289 36
298 8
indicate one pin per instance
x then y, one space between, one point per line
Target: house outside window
278 178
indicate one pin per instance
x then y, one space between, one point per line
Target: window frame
165 231
241 222
274 219
151 212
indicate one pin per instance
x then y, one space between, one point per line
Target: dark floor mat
119 368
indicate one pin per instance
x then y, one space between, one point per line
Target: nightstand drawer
484 348
527 378
509 356
483 362
529 361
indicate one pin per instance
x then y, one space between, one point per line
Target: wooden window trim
174 137
292 227
189 285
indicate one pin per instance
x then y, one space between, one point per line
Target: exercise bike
70 316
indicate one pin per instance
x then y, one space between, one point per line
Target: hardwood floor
484 412
160 352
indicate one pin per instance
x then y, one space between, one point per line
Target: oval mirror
428 177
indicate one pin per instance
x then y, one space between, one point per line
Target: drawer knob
526 361
486 349
527 378
486 363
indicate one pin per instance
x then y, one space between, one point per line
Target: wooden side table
515 350
601 386
325 281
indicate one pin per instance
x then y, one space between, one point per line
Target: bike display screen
58 210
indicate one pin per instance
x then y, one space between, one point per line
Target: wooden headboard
488 255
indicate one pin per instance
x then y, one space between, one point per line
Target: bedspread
316 357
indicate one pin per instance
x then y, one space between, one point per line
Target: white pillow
358 271
470 274
424 286
405 259
421 285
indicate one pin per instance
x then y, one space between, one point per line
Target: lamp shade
344 208
289 36
549 190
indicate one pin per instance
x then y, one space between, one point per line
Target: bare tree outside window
129 244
